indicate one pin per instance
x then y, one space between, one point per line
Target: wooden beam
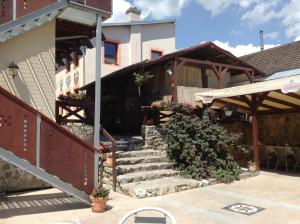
269 107
255 140
201 62
250 75
285 111
216 72
261 99
294 95
222 76
174 82
234 104
282 102
204 77
245 100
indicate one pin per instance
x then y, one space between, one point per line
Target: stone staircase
144 172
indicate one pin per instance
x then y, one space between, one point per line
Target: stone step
135 160
158 187
140 153
123 169
142 176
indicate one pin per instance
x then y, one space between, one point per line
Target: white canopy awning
270 96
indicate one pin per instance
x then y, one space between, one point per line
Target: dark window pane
155 54
110 54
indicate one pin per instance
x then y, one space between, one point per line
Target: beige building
125 44
33 34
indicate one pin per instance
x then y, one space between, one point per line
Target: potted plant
252 166
109 160
140 78
99 198
158 104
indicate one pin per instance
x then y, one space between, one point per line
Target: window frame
156 50
117 56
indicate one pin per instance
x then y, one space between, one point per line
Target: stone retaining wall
154 137
14 179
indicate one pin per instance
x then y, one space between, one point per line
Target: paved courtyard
276 195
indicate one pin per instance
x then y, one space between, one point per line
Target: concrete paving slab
279 194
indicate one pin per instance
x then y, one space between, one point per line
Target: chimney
261 36
133 14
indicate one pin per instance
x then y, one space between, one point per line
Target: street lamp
13 69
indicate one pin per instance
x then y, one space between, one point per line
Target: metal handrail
113 154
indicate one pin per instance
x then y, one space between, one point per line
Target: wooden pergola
268 97
219 70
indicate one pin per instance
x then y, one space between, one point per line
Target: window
110 53
155 54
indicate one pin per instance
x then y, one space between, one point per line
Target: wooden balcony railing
74 111
27 7
105 5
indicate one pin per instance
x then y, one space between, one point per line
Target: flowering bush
198 146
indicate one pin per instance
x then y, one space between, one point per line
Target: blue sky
231 24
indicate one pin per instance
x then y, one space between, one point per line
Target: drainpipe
83 65
14 9
97 99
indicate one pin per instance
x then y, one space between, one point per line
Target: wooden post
174 82
255 141
204 77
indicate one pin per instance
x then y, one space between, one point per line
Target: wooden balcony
9 12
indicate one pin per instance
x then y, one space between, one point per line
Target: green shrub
198 145
100 192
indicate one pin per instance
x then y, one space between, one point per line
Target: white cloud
297 38
290 14
255 12
160 9
261 13
272 35
218 6
240 50
119 9
215 6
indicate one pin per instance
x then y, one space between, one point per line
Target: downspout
14 9
83 66
97 99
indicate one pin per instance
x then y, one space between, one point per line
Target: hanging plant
141 77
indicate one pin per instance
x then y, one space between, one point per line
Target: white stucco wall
135 44
159 37
34 53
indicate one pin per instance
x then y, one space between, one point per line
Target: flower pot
98 204
109 161
252 168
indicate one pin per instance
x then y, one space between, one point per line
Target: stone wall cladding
155 137
14 179
85 132
280 129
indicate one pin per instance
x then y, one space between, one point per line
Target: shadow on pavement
33 204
